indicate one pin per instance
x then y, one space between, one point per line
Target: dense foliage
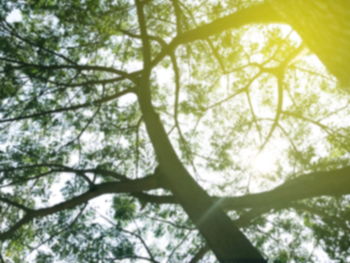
251 111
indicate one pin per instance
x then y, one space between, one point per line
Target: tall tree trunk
222 236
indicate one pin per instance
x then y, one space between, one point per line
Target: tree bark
324 26
222 236
325 183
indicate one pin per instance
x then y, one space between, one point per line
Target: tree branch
70 108
131 186
316 184
257 14
22 64
330 183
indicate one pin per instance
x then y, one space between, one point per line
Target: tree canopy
174 131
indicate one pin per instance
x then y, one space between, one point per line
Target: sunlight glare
264 162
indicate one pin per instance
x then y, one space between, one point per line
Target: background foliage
246 110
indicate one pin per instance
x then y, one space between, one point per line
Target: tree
330 43
142 132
